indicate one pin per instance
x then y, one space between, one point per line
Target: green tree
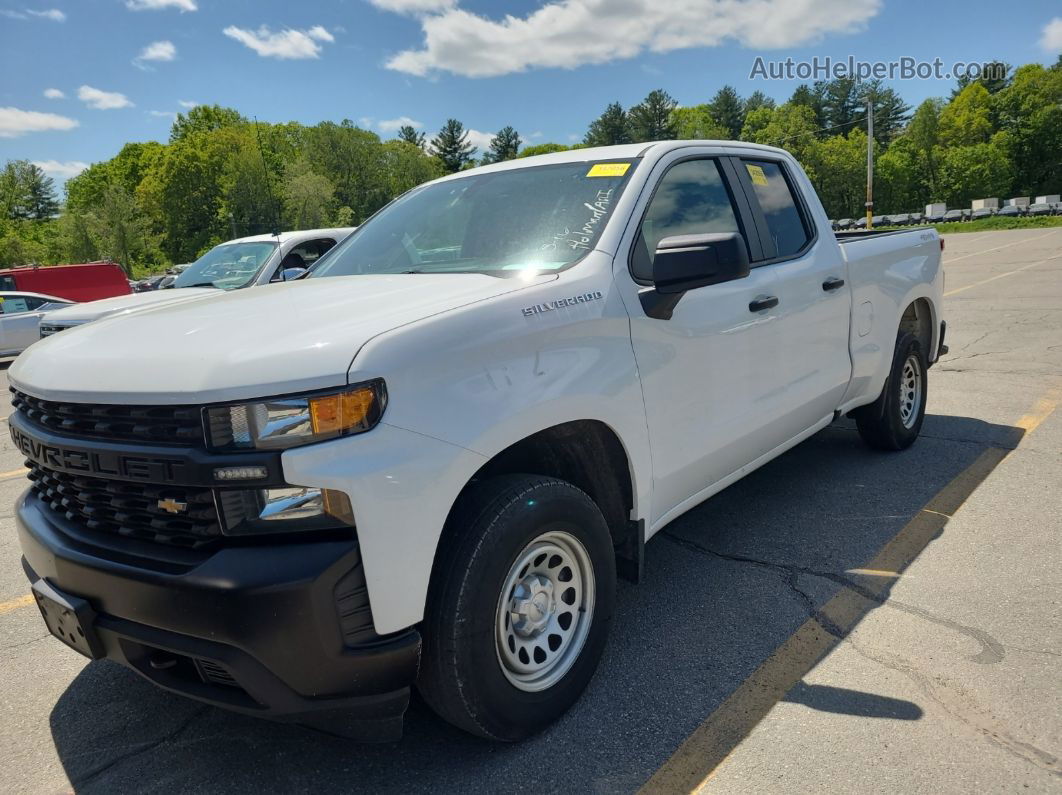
967 119
900 183
891 113
544 149
837 166
923 133
451 146
995 76
650 119
728 111
610 128
120 229
204 118
409 134
805 95
757 100
1029 113
842 104
503 146
974 172
789 126
697 123
26 192
307 197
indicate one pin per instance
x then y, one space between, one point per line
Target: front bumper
256 629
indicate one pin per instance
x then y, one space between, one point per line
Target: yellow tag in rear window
758 177
608 169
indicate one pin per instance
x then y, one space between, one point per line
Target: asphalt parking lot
841 619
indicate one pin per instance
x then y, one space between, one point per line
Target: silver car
20 314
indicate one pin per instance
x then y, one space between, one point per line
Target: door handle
762 302
833 283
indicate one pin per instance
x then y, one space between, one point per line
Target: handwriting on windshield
581 239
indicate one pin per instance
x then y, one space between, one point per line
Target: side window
690 199
13 305
785 221
33 303
7 283
304 255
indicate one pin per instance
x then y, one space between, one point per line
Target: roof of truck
618 152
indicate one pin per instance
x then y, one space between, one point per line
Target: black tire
893 422
491 528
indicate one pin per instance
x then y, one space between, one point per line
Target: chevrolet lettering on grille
100 463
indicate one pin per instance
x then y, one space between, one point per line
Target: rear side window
7 283
786 224
690 199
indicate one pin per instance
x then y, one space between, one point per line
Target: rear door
814 300
20 316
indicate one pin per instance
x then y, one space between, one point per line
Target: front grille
48 329
130 509
178 425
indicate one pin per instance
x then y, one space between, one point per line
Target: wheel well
589 455
917 319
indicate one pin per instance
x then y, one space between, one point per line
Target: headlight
279 423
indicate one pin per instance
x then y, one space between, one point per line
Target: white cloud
413 6
15 122
1051 38
54 93
187 103
64 169
158 51
162 114
480 140
392 125
54 14
288 43
536 134
7 12
156 5
571 33
103 100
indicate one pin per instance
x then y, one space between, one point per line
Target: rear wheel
519 610
894 420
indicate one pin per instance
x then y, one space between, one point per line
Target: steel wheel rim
544 611
910 391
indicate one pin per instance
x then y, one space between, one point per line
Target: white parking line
950 260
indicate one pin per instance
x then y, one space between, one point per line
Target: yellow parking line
950 260
1001 275
701 754
15 604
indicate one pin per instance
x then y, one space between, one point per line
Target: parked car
861 222
878 220
844 223
1056 208
427 461
19 315
1040 209
246 262
953 216
1009 211
967 214
982 212
70 283
917 218
900 219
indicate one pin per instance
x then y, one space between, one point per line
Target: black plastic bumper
253 628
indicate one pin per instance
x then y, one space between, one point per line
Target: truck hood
124 305
271 340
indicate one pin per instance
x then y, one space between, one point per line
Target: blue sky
117 70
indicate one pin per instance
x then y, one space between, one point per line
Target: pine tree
451 146
891 113
757 100
728 110
409 134
611 127
804 95
650 119
41 192
503 146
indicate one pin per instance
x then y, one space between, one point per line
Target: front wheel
894 420
520 606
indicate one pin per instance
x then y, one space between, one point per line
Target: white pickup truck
426 463
244 262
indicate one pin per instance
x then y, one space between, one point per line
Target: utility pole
870 162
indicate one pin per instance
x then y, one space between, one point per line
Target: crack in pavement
139 749
952 698
26 642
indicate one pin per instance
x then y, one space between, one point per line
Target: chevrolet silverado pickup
425 464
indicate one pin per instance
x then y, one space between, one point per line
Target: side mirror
288 274
686 262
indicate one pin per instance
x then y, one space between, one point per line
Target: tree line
221 175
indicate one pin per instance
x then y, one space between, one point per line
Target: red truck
87 282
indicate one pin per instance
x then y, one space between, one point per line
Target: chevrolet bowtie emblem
172 506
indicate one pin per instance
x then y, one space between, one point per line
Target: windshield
536 218
228 266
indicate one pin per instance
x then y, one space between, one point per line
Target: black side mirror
686 262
